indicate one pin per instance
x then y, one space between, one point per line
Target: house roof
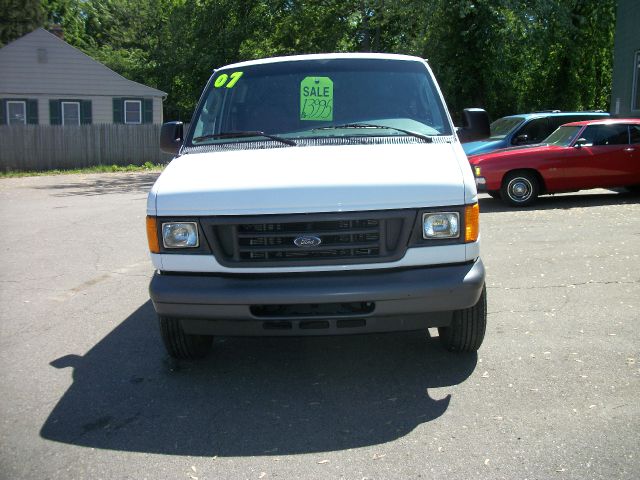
41 63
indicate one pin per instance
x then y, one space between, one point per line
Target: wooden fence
48 147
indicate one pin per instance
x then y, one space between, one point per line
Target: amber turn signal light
152 235
471 223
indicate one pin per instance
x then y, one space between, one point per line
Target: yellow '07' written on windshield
228 81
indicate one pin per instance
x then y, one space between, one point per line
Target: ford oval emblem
306 241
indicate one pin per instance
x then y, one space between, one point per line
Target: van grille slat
340 239
309 249
306 232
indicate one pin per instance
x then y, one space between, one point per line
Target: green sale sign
316 99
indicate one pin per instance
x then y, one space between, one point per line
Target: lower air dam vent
313 310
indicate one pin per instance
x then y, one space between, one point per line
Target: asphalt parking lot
86 390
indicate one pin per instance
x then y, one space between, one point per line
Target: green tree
509 56
574 42
71 16
506 56
283 27
17 18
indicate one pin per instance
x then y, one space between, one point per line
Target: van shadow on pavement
251 396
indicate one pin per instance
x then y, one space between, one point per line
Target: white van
317 195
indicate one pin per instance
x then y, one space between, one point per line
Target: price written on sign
316 99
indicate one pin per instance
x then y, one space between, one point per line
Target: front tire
182 345
520 189
467 329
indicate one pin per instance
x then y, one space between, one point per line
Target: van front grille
338 239
311 239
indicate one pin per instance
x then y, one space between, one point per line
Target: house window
132 111
636 83
70 113
16 113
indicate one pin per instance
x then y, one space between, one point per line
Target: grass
146 167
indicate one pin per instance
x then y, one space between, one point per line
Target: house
625 93
46 81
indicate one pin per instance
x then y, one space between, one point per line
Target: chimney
56 29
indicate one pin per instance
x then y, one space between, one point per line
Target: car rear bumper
318 304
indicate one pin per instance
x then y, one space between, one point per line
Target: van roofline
324 56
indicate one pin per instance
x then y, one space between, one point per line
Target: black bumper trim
404 299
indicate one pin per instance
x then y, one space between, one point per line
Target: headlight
180 235
440 225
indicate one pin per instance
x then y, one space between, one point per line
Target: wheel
466 332
494 194
520 189
182 345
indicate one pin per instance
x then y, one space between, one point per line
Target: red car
578 155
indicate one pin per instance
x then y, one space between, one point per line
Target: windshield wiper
246 134
372 125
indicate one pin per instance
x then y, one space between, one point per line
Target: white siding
101 107
157 110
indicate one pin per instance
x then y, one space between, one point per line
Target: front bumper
319 303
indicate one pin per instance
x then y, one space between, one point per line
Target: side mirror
475 125
521 140
581 142
171 137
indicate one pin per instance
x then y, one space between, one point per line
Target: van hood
309 179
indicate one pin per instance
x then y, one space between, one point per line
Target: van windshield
320 98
